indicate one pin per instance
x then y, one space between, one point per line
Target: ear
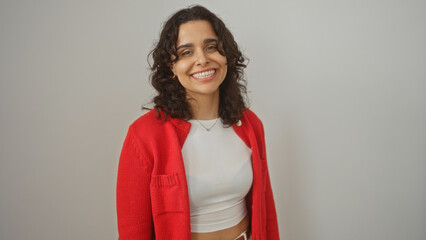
172 68
171 63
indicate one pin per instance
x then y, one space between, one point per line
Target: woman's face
200 68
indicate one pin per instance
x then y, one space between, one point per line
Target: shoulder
154 125
146 121
254 125
148 126
252 118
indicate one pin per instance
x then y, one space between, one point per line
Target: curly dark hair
171 98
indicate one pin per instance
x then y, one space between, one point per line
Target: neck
205 107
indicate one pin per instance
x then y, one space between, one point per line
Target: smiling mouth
204 75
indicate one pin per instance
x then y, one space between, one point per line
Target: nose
202 58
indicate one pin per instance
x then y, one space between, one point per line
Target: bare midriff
224 234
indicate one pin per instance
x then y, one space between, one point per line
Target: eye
186 53
211 48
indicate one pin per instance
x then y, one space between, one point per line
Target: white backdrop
339 85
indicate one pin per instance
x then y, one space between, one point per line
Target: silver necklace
207 128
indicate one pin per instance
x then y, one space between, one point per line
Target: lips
204 75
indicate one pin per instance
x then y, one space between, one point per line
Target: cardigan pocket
166 193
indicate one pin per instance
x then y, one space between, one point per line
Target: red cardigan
152 192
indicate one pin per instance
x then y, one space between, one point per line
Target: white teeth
205 74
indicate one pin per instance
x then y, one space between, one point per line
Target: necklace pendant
208 128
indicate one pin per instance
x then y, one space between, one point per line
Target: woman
195 167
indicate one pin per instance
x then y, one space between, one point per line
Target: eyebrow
208 40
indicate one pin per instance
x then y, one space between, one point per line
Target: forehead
195 32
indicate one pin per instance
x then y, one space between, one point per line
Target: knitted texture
152 192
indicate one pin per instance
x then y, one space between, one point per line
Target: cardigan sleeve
134 214
271 214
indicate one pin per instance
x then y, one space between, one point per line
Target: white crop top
219 174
